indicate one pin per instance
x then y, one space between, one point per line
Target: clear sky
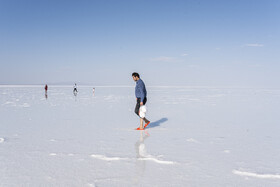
175 42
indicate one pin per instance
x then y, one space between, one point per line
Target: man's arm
141 86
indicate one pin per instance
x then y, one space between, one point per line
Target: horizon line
129 86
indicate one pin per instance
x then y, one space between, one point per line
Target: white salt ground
198 136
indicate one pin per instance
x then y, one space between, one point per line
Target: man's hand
141 103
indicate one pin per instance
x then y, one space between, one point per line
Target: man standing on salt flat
141 99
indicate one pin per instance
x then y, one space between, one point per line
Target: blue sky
190 42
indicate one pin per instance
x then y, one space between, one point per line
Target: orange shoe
146 124
139 129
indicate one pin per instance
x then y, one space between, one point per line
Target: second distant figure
75 88
46 91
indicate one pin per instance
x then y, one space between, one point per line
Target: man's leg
146 120
141 123
137 107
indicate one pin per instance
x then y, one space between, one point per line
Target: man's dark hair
135 75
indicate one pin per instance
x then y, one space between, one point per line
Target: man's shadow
156 123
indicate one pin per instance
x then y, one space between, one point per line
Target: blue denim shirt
140 90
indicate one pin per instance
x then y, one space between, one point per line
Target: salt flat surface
197 137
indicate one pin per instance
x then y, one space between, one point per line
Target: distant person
93 91
46 91
46 88
141 99
75 88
